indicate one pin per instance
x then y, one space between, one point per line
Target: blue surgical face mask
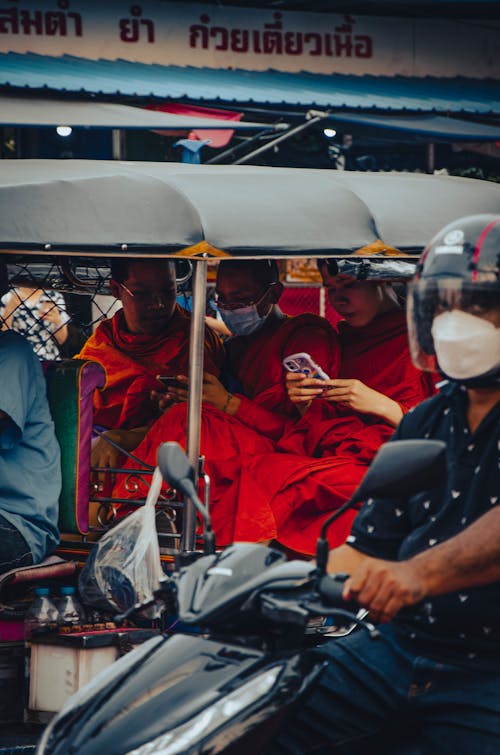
244 320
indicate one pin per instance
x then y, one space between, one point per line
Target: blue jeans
376 697
14 550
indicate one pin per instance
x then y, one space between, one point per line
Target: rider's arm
345 560
469 559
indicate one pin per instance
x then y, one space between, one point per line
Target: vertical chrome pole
195 388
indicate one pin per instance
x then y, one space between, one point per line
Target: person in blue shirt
30 471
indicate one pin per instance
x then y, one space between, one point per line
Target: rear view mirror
400 469
176 468
403 468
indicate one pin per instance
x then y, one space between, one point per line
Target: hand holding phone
170 381
302 362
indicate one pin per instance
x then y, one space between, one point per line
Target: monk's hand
177 394
106 456
302 390
215 393
352 393
360 398
161 399
385 587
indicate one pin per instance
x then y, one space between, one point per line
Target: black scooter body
220 689
183 676
171 680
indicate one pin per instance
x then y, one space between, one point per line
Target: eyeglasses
231 305
148 297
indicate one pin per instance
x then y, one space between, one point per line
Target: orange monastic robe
132 362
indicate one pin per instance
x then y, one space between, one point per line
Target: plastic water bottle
41 616
70 612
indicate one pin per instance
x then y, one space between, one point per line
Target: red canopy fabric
218 137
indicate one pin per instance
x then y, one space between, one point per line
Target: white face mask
466 346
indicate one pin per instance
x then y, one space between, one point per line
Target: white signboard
252 39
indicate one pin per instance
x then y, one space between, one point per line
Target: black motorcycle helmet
459 269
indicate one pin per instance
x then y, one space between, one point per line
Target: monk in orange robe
148 337
250 418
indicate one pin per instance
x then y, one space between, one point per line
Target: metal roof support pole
431 157
238 147
195 388
118 144
312 117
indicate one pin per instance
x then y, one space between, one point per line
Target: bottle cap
67 590
41 591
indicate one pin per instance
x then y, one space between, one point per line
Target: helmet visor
430 297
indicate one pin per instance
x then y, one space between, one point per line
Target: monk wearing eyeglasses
149 336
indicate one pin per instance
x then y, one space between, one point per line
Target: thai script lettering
130 28
342 42
41 23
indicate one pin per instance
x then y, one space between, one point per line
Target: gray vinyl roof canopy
427 127
92 207
39 112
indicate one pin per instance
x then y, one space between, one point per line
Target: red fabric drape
218 137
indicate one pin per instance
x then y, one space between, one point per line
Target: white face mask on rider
466 346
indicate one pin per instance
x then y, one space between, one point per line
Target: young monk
376 363
347 418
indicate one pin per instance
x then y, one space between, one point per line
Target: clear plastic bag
124 567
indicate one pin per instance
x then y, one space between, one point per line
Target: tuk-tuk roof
109 208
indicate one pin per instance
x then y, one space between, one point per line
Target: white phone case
302 362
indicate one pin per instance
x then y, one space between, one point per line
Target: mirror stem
322 548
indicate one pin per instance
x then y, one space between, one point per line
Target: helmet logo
453 238
453 243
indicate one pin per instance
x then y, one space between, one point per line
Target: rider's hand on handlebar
385 587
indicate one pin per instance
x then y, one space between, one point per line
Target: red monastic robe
265 410
132 362
285 480
342 443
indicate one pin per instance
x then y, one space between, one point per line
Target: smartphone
303 362
170 381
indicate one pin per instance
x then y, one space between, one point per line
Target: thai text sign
252 39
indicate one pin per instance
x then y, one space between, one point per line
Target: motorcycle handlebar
330 588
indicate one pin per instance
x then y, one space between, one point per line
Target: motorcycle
248 619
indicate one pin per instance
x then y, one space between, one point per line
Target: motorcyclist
428 567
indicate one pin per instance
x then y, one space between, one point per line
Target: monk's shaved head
120 267
262 272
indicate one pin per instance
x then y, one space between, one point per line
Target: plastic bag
124 567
